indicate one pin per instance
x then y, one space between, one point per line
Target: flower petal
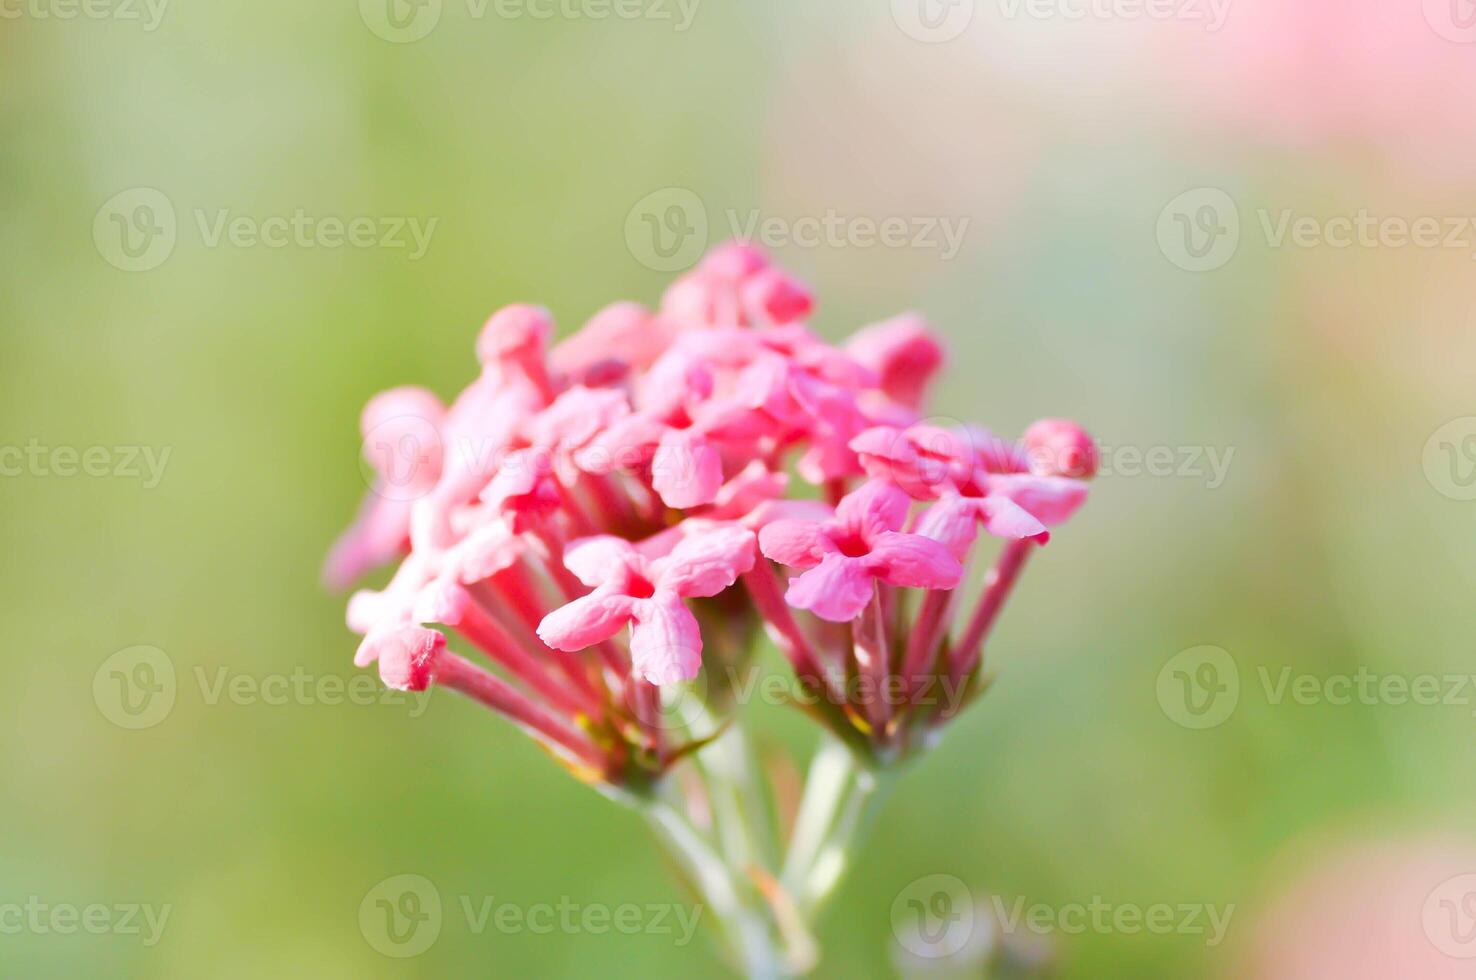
599 559
835 590
953 522
1050 499
801 543
707 562
874 507
587 621
665 641
686 471
914 561
1004 518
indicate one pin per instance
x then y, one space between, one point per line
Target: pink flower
627 334
736 285
1059 447
402 442
905 354
931 463
629 587
862 544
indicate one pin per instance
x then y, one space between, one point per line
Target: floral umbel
589 536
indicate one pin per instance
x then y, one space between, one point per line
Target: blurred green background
1332 542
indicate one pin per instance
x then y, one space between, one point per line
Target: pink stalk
998 583
869 630
515 592
465 677
763 588
928 627
478 626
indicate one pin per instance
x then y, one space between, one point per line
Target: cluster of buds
585 513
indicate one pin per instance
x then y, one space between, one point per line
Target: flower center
640 587
852 545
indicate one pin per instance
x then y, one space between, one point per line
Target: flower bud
1058 447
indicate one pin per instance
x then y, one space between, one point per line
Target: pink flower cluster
580 512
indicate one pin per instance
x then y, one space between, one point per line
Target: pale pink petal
378 535
442 601
626 332
756 484
598 560
953 522
800 543
484 552
706 562
913 561
1050 499
517 333
407 658
665 640
1004 518
808 511
587 621
686 471
873 507
835 590
577 416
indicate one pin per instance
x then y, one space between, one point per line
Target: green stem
749 933
840 797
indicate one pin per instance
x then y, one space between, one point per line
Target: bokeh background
1119 170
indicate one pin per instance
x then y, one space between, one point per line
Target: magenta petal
665 641
836 590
